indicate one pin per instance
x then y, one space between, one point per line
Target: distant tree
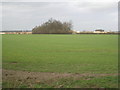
53 27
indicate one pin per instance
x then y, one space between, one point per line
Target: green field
74 54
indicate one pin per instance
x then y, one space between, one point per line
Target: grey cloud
85 16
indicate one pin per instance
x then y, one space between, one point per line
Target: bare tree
53 27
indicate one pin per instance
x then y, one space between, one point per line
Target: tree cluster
53 27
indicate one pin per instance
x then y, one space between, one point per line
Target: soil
42 77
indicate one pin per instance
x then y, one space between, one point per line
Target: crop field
60 61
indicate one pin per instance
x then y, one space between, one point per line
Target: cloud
84 15
60 0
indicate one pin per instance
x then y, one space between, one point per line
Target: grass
87 82
84 82
63 54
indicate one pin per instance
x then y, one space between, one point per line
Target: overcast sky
86 16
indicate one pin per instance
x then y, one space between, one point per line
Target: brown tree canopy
53 27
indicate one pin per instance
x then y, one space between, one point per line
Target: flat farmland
65 60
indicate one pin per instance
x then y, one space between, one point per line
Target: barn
99 31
